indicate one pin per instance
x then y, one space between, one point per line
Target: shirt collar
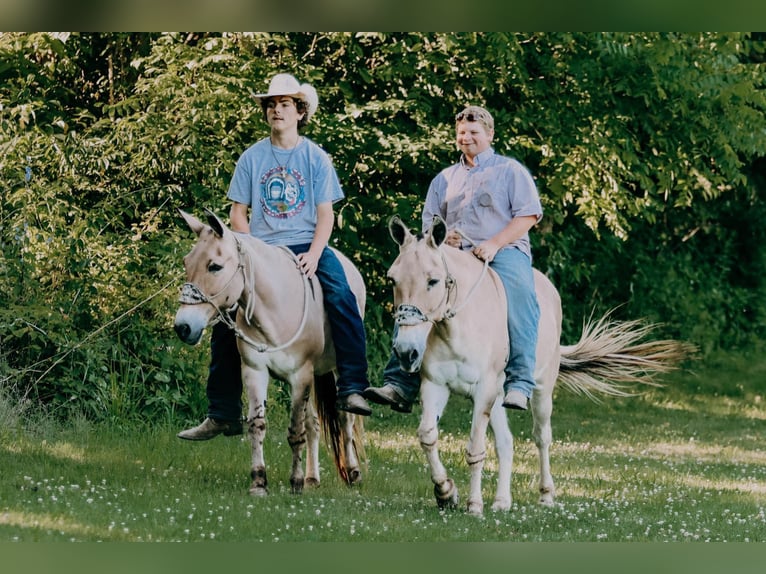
479 160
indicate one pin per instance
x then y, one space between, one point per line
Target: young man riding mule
489 203
283 190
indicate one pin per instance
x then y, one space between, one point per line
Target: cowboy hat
287 85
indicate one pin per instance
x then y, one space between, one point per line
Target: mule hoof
475 508
296 486
311 482
354 476
258 491
501 505
447 498
546 496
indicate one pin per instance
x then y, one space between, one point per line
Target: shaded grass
684 462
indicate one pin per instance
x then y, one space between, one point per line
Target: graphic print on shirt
283 193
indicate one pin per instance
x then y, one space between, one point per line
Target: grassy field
685 462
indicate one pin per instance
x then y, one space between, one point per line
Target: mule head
421 288
214 280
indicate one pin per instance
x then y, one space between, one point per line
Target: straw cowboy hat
287 85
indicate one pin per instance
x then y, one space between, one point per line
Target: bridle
407 315
191 294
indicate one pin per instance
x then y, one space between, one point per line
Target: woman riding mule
288 185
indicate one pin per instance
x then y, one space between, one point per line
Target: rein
191 294
411 315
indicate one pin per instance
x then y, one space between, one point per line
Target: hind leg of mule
256 385
434 399
296 431
349 423
542 408
312 445
498 419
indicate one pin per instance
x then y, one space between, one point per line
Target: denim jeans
346 325
515 270
224 381
224 378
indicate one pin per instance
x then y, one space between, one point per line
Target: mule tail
330 421
611 359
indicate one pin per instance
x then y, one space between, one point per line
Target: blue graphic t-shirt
283 189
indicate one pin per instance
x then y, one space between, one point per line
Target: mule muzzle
184 332
410 358
190 323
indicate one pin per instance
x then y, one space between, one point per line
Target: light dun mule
281 332
451 326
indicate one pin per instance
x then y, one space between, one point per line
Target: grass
684 462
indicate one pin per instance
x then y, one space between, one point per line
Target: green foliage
645 147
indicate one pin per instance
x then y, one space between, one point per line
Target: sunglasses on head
471 117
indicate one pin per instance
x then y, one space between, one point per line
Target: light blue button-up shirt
481 200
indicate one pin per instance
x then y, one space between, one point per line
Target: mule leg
504 448
296 431
312 445
256 386
542 408
434 398
348 423
476 450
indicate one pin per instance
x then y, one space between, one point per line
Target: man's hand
308 263
486 251
454 239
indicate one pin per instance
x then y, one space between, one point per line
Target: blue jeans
224 381
515 270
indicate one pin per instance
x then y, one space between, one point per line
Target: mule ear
438 231
398 230
214 221
195 224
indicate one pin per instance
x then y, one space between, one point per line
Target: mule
282 332
451 327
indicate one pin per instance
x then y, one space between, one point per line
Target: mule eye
432 283
214 268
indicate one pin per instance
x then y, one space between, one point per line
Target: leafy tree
647 149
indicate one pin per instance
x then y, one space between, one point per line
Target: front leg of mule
542 407
434 399
296 431
476 451
256 385
498 419
256 430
